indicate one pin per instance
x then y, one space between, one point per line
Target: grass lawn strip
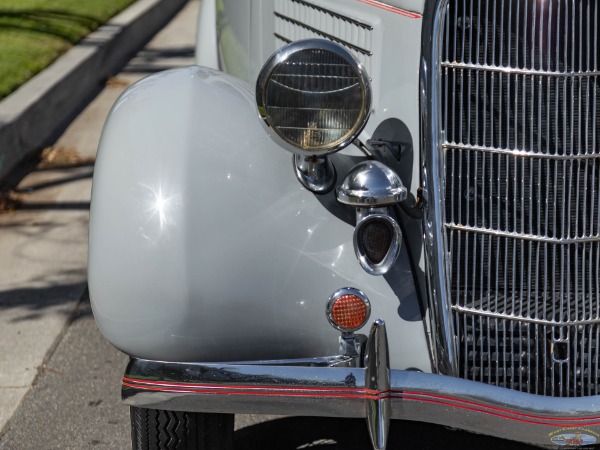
33 33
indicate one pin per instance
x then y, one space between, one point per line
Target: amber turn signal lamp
348 309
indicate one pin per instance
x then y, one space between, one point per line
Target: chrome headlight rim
284 54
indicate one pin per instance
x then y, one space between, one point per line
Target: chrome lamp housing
313 98
372 188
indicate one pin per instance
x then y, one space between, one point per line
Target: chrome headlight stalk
315 173
373 188
313 98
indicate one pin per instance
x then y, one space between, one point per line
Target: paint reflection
159 211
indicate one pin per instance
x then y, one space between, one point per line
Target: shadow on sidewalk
53 183
145 61
29 186
35 300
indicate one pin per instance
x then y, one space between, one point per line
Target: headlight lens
313 96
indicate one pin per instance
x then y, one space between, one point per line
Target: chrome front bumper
374 392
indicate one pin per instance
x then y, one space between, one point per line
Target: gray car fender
205 247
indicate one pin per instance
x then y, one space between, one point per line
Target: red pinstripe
393 9
358 394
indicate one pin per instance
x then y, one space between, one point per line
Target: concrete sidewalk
43 242
36 114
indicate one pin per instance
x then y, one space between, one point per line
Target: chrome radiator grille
520 116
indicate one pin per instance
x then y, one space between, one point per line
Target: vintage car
386 209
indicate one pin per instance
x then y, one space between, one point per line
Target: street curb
32 117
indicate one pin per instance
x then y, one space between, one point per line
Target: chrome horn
372 188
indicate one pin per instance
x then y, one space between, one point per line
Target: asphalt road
74 402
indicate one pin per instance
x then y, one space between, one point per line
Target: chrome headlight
313 97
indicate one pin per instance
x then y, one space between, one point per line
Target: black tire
153 429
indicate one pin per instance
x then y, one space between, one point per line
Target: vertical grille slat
520 114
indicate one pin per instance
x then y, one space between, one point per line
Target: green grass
33 33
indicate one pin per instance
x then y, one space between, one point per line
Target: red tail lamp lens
348 311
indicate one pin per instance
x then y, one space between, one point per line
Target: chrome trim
516 84
377 378
371 184
280 57
391 256
442 338
352 346
483 313
340 360
522 236
520 152
515 70
359 33
340 293
323 34
284 39
374 392
366 26
315 173
254 388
